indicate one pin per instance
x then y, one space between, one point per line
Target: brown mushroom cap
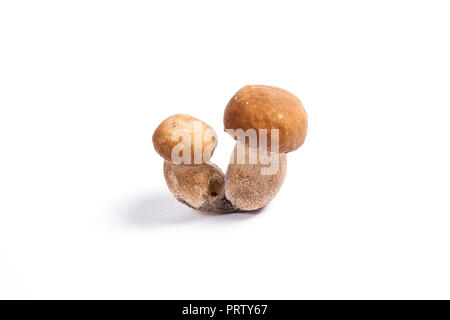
246 187
185 125
199 186
265 107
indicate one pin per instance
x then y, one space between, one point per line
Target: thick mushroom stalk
201 187
251 185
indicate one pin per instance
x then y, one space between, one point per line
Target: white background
84 210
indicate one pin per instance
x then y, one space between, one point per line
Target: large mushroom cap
265 107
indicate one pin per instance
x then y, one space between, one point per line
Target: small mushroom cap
249 188
186 134
199 186
265 107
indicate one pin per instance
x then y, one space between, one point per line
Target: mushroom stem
200 187
251 186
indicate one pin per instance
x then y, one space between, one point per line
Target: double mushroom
257 169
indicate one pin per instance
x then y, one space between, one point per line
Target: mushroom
193 181
275 123
278 119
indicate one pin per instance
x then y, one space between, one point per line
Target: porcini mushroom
198 184
275 116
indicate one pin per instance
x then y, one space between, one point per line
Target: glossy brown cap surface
265 107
